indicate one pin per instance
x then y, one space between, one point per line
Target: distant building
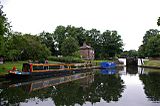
1 60
87 52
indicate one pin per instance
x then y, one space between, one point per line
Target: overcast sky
131 18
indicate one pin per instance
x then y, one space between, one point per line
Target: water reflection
68 90
108 71
129 86
151 81
132 70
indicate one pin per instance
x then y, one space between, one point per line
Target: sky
131 18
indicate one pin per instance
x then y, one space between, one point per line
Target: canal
121 87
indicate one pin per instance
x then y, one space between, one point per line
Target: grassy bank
9 65
152 63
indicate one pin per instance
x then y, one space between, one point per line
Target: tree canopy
69 46
4 30
106 44
151 44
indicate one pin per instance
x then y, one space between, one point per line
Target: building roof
85 46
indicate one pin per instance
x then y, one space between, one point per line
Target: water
123 87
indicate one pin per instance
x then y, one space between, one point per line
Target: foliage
107 44
158 21
4 30
48 39
151 44
25 46
69 46
93 39
110 43
68 59
130 53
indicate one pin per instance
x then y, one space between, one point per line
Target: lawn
9 65
152 63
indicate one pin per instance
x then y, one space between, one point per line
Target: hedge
68 59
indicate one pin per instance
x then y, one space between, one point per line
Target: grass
18 64
9 65
152 63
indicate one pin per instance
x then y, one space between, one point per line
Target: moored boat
42 69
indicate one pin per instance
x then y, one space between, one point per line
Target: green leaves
107 44
69 46
4 30
151 44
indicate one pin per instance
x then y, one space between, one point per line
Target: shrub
67 59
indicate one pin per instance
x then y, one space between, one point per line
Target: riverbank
151 64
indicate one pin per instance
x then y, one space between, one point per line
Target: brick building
87 52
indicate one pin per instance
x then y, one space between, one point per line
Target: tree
59 36
77 33
33 48
61 33
153 46
25 46
150 46
69 46
48 39
130 53
93 39
158 21
110 43
4 30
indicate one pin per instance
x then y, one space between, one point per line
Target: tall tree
48 39
69 46
4 29
111 44
59 36
150 46
158 21
93 39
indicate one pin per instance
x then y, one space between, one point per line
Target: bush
67 59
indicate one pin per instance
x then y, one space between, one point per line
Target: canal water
122 87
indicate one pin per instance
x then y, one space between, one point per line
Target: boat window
73 66
65 66
37 67
54 67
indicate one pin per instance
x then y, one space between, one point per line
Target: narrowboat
43 69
